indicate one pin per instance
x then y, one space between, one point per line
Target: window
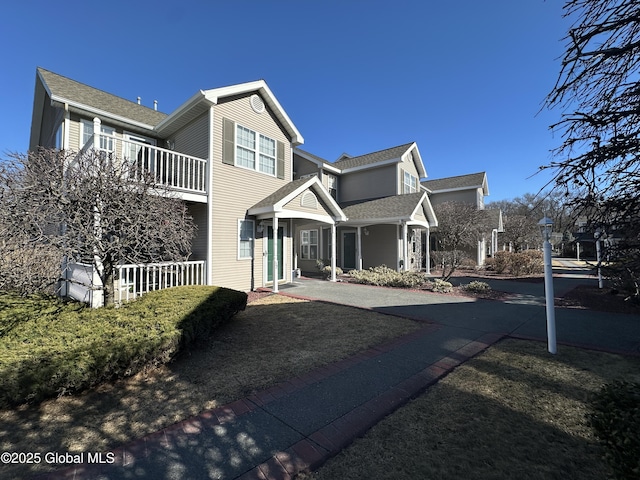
245 239
309 244
107 142
251 145
410 183
332 186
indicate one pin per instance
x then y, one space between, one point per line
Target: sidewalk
303 421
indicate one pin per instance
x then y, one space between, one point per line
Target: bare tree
460 226
598 91
90 208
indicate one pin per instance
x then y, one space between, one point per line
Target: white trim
309 244
265 252
319 163
100 113
372 165
256 151
210 200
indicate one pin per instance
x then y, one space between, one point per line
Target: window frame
251 239
103 129
412 185
257 151
309 244
333 191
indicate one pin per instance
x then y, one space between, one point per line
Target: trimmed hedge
384 276
616 422
49 347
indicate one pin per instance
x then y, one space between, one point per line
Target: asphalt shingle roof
375 157
396 206
74 91
279 194
471 180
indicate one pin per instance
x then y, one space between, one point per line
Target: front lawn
49 347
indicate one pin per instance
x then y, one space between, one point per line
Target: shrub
534 263
49 347
477 286
326 271
384 276
501 261
441 286
616 422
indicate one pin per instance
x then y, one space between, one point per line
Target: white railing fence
131 281
171 169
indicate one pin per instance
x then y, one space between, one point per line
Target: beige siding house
265 209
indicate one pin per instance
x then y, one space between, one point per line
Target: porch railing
167 167
134 280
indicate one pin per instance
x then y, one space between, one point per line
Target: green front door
270 253
348 250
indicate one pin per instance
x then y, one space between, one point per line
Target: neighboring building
470 189
264 208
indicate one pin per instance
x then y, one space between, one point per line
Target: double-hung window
410 184
309 244
106 137
245 239
255 151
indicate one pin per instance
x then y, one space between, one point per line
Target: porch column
359 259
405 248
96 133
427 251
275 254
333 252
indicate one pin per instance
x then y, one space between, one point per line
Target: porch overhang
279 204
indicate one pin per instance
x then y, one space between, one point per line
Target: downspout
209 259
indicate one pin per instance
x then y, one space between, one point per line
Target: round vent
257 104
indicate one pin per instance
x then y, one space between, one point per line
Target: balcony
184 174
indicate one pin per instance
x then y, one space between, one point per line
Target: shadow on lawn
261 346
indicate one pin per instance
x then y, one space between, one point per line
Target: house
264 207
470 189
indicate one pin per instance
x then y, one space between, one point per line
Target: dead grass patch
275 338
512 412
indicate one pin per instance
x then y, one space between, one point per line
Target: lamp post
597 235
546 225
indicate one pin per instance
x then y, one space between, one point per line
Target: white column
275 254
428 251
549 298
333 252
96 133
359 247
405 248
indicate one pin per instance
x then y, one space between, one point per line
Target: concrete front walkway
303 421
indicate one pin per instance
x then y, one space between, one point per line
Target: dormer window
410 184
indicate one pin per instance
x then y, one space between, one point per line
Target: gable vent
256 103
309 200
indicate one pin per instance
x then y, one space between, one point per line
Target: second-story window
106 141
255 151
410 184
332 186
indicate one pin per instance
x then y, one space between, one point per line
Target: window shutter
228 141
280 160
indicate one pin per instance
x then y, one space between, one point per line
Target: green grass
49 347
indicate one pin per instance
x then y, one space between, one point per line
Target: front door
348 250
270 251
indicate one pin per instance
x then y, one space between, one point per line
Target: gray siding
368 184
193 139
302 166
464 196
199 245
380 247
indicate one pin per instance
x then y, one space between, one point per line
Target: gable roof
276 201
460 182
83 97
390 209
320 162
203 99
388 154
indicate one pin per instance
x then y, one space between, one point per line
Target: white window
309 244
245 239
332 186
251 145
107 141
410 183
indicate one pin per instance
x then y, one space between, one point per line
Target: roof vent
257 104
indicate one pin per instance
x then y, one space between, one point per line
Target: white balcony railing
134 280
167 167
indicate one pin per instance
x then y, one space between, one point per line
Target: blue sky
464 79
